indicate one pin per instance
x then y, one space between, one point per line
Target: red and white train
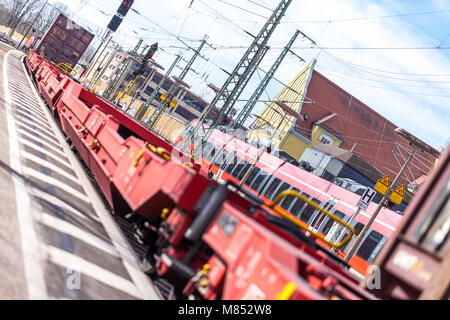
228 158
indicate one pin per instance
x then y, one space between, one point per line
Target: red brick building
361 129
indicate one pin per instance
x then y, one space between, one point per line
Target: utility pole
144 83
417 145
96 60
102 72
31 25
245 112
115 83
227 95
250 75
173 89
143 110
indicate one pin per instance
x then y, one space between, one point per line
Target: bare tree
49 14
21 11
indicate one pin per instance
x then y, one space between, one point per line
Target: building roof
338 153
351 160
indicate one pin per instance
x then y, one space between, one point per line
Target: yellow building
273 123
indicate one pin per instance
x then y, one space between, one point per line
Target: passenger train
227 158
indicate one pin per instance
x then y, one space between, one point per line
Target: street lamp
418 145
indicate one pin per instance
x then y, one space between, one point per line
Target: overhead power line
370 18
385 71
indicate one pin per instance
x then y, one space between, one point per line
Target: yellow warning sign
398 194
382 185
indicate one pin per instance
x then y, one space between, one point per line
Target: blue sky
410 87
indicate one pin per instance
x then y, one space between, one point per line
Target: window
236 170
185 113
287 201
230 163
358 228
252 176
330 222
320 217
208 151
156 78
284 186
369 244
194 102
308 210
298 206
149 90
271 189
243 171
259 181
325 139
221 157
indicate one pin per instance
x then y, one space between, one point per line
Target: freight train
210 240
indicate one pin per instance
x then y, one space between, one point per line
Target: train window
298 206
244 170
286 203
236 170
259 180
222 161
219 155
271 189
358 228
330 222
282 187
208 151
240 163
319 218
252 176
369 244
308 211
230 163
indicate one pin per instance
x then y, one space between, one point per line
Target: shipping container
64 42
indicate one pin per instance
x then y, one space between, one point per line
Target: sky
393 55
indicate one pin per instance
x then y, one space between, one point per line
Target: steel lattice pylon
173 89
245 112
118 78
155 92
227 95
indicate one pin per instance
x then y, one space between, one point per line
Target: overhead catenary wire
332 71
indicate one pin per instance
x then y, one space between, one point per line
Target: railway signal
117 19
125 7
151 51
114 24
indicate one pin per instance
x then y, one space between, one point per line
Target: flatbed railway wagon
209 240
